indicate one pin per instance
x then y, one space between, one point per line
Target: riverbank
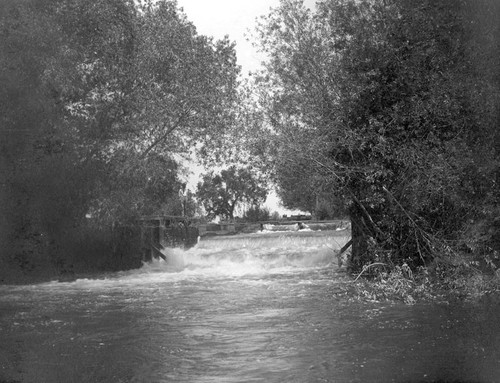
79 252
400 284
10 276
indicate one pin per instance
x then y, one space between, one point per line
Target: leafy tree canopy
256 213
393 106
98 101
220 193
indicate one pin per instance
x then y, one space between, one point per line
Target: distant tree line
392 108
98 102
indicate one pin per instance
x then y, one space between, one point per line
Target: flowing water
249 308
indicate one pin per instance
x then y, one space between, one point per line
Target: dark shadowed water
253 308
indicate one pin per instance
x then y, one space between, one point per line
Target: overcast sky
234 18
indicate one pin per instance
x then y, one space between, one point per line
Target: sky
234 18
237 19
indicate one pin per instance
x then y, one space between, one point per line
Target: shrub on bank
434 283
97 249
81 250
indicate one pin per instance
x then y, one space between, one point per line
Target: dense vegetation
99 100
394 108
386 111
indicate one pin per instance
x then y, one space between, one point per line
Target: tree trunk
359 237
231 210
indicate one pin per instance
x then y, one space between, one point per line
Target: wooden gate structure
160 232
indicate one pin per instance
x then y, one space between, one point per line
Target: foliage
385 103
99 100
256 214
399 283
221 193
296 184
275 216
139 190
187 83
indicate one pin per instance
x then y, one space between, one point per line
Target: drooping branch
165 135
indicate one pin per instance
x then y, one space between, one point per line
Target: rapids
264 307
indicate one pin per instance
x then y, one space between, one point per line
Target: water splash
252 254
256 256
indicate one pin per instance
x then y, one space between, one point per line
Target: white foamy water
253 255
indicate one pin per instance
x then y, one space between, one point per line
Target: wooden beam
159 252
344 248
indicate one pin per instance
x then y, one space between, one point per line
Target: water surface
251 308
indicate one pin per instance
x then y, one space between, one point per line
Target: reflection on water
253 308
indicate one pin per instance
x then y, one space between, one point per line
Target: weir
162 232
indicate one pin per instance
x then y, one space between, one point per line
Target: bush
256 214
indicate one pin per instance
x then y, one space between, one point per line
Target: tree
374 98
173 94
221 193
45 185
256 214
98 101
185 85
